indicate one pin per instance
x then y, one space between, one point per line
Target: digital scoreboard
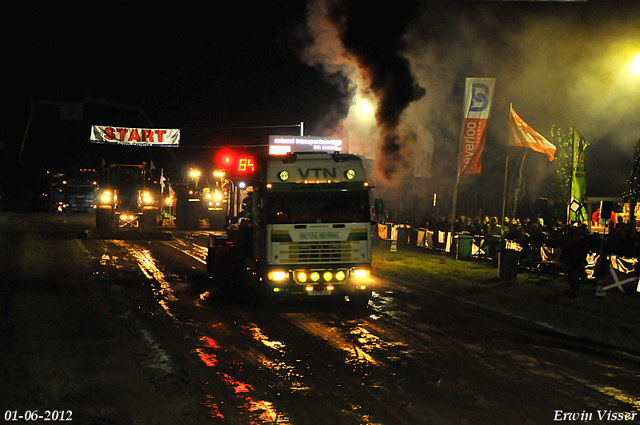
237 165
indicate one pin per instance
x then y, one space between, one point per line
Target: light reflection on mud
613 392
621 396
214 410
259 411
383 304
618 395
357 355
371 343
259 336
208 359
209 342
197 252
112 260
364 419
148 266
262 412
284 370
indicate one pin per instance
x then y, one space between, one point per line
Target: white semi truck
303 230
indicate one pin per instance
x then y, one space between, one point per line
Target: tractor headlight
147 199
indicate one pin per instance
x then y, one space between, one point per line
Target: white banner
135 136
282 145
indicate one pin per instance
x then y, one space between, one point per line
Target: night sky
210 67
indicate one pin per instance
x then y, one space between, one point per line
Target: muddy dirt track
131 332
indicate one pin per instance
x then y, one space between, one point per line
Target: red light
236 165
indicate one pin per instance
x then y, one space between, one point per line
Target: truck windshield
126 177
318 207
80 190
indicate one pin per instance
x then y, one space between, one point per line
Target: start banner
477 110
135 136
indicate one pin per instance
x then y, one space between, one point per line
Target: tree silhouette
632 187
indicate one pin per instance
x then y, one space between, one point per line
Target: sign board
135 136
283 145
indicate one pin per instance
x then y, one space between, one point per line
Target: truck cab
307 230
79 189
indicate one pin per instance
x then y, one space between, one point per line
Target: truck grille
314 252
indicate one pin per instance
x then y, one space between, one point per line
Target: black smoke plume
371 33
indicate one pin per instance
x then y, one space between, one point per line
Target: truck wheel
104 220
187 215
217 220
359 301
211 269
221 267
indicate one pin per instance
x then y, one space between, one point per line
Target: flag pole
573 148
465 108
504 192
506 170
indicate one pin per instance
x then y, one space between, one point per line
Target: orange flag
520 134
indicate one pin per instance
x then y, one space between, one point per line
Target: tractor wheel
104 220
149 221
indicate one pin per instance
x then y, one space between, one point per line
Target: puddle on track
163 292
256 411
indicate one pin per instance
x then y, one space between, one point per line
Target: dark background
232 74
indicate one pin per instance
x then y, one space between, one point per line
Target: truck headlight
106 197
277 275
361 273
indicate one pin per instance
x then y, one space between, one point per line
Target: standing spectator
574 258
